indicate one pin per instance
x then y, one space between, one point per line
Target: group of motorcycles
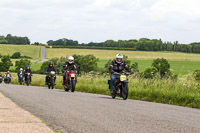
121 83
6 78
26 80
69 83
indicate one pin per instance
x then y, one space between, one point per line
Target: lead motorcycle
121 86
70 81
51 76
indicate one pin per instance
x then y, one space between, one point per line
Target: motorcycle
70 83
51 76
7 79
28 78
121 86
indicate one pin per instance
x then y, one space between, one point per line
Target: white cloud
98 20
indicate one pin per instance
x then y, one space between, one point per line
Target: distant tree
5 63
23 63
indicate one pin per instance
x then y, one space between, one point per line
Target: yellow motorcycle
121 86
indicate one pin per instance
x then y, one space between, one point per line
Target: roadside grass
25 50
183 92
132 55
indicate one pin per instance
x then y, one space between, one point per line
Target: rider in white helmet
69 66
20 72
117 66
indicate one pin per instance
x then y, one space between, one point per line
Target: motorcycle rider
69 66
48 70
27 70
6 76
20 72
117 66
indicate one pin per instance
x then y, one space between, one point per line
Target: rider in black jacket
27 70
69 66
117 66
48 70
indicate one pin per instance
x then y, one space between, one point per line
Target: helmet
50 63
28 67
21 69
71 59
119 56
8 71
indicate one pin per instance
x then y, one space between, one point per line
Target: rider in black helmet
48 70
27 70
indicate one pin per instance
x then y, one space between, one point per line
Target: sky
101 20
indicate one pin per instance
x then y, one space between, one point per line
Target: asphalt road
91 113
43 55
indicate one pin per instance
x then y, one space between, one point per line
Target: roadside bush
134 67
162 67
196 75
0 55
149 73
16 55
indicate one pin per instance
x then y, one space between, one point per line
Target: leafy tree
16 55
87 63
23 63
162 66
43 67
5 63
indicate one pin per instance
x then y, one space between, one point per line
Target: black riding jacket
28 71
118 67
68 67
49 69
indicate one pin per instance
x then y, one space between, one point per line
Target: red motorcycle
70 81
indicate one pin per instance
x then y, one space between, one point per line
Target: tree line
9 39
143 44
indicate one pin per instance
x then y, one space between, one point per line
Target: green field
132 55
181 63
178 67
25 50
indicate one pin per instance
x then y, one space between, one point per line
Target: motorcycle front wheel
125 91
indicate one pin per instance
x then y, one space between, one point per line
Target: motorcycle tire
125 91
73 85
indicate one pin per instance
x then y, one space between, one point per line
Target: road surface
43 55
91 113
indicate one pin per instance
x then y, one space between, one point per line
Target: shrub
149 73
16 55
196 74
162 67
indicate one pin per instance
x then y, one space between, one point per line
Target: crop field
132 55
181 63
25 50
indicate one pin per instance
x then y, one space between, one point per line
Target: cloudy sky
100 20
